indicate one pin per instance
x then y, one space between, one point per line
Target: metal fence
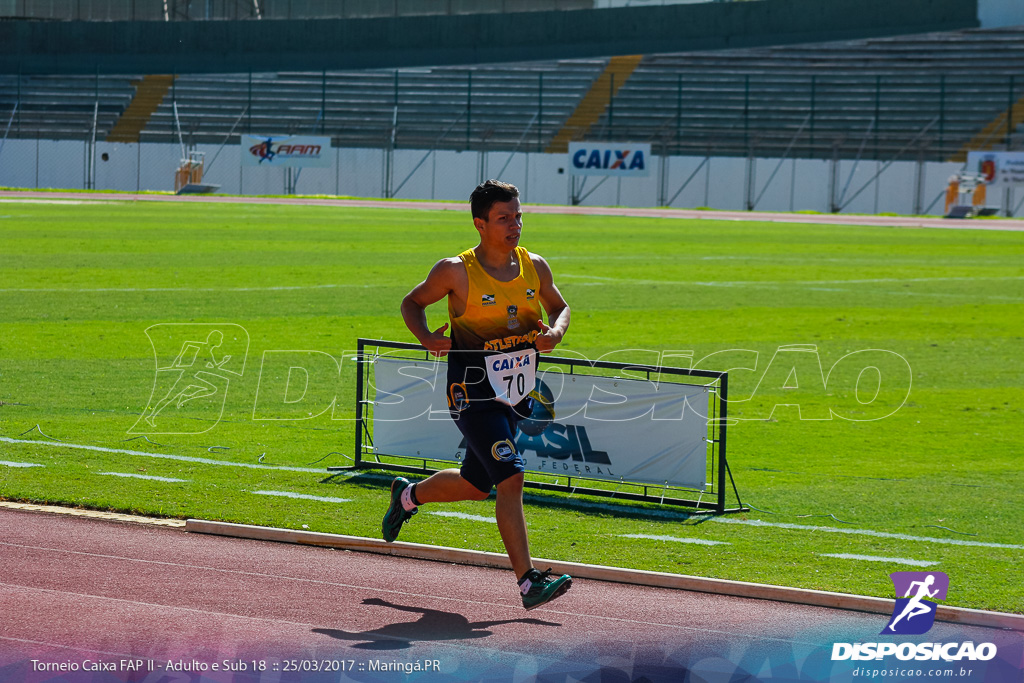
839 143
213 10
523 107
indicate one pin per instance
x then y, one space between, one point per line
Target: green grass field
936 478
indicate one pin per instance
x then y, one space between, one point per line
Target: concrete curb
94 514
957 615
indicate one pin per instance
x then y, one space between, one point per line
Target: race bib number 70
512 375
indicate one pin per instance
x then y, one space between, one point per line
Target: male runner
495 292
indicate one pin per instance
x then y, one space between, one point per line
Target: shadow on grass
433 625
578 503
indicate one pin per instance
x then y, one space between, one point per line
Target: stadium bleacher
925 96
187 10
451 108
933 92
62 107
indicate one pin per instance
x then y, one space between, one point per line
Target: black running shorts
491 455
488 426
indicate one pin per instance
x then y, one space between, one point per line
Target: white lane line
182 458
593 277
774 259
65 202
816 220
114 655
142 603
303 496
9 463
462 599
142 476
947 295
748 522
783 283
667 514
278 288
463 515
675 539
887 560
865 532
773 285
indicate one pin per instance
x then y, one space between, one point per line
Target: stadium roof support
74 47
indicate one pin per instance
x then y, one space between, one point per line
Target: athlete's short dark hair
487 194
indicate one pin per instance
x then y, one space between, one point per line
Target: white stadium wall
717 183
999 13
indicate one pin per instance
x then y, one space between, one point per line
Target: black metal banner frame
718 384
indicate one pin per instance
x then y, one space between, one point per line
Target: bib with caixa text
512 375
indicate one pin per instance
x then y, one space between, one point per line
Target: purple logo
914 612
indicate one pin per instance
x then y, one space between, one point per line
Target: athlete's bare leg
512 524
447 486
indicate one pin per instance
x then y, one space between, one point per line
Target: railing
933 118
219 10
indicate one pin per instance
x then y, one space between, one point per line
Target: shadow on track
432 625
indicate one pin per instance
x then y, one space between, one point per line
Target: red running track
75 590
634 212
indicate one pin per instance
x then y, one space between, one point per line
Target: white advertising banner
297 151
620 159
1001 169
605 428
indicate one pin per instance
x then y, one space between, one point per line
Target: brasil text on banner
604 428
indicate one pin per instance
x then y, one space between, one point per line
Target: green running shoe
396 515
539 588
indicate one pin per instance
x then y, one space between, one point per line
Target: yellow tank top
499 316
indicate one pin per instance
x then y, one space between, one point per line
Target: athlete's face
503 225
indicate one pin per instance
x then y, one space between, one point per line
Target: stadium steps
877 98
993 133
359 106
149 94
595 102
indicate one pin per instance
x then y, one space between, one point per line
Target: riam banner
1004 169
605 428
619 159
297 151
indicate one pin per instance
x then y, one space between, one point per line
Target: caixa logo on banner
621 159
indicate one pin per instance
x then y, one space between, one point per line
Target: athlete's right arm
443 280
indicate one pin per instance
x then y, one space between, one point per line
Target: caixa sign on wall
297 151
620 159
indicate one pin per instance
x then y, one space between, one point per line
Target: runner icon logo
914 613
195 363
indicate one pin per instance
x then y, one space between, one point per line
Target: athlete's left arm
556 307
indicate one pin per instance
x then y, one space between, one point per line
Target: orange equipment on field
965 196
190 172
188 179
